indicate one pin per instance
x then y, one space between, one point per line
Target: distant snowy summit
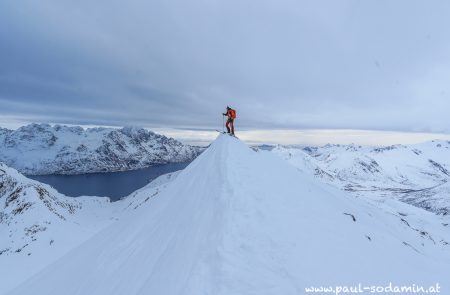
44 149
417 174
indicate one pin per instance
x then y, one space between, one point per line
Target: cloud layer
282 64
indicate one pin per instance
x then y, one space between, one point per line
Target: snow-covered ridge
38 225
43 149
237 221
417 174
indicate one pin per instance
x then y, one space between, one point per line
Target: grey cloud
282 64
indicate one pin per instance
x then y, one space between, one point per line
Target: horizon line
286 136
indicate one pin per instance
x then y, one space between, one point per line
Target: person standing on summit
231 114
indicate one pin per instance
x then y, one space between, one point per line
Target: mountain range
417 174
38 149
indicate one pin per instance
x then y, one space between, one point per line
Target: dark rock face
43 149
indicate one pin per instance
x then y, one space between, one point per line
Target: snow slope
236 221
44 149
417 174
38 225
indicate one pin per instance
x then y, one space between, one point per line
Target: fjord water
114 185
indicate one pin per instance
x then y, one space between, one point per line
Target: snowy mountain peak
134 131
236 221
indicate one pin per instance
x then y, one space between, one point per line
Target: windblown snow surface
236 221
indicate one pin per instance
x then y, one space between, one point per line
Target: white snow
38 225
237 221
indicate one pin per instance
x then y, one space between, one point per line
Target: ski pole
223 123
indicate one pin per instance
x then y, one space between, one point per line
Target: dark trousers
228 124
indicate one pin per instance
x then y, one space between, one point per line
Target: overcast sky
374 65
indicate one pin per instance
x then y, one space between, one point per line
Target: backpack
232 114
